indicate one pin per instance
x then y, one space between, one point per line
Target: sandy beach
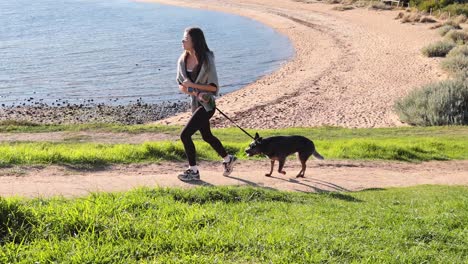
349 67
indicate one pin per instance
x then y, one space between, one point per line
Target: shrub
455 64
460 19
452 23
361 4
457 36
400 15
379 6
457 9
443 103
342 8
445 29
438 49
460 50
427 19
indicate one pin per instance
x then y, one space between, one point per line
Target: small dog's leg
303 159
302 172
271 170
281 164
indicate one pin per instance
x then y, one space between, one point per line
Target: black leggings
200 120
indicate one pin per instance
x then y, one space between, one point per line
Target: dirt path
320 176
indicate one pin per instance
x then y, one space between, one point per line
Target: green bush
457 36
342 8
438 49
452 23
427 5
457 9
459 51
443 103
455 64
380 6
445 29
460 19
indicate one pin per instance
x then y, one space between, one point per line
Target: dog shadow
337 192
333 194
324 183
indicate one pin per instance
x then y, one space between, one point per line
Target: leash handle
247 133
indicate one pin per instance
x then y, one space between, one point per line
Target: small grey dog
280 147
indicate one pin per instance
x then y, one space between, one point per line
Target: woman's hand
187 83
185 91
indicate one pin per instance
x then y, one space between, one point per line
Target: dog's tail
317 155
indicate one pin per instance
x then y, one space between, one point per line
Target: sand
349 67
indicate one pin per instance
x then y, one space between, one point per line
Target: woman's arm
200 87
184 90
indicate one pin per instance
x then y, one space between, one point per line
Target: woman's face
187 42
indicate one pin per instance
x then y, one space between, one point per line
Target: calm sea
116 51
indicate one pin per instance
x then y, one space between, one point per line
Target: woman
197 77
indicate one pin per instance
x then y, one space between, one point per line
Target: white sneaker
189 175
229 166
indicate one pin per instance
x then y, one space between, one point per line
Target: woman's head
194 41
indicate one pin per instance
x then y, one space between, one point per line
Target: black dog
280 147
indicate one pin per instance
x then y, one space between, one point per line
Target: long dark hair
199 44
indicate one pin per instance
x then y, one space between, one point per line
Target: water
117 51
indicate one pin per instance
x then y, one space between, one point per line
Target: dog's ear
256 136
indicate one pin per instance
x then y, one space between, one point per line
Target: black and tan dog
280 147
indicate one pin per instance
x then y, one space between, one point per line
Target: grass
425 224
402 144
26 127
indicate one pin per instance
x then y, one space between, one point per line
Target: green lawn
425 224
400 144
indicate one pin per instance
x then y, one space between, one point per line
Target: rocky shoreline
62 112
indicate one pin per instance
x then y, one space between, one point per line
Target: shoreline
347 71
89 112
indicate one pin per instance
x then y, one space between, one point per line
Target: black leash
247 133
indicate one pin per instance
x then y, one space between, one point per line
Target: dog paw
282 172
300 176
268 174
